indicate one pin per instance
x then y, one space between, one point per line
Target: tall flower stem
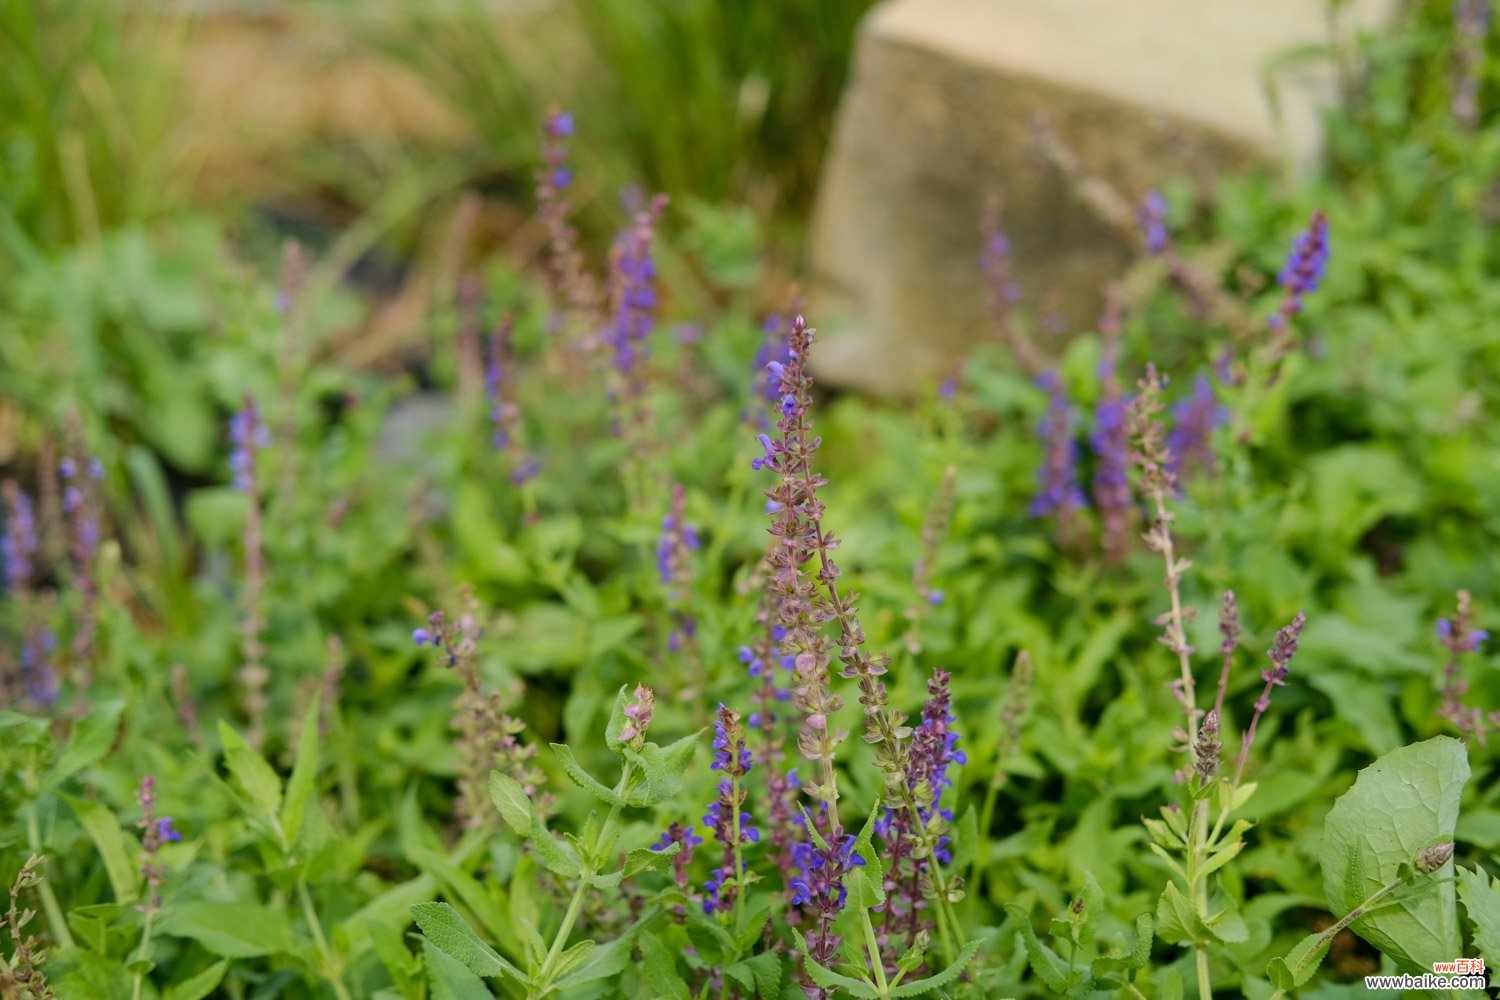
542 983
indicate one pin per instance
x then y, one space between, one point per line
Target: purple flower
422 637
1194 421
1152 216
166 831
1308 260
249 435
20 540
726 816
1058 494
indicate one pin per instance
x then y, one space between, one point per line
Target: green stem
1198 885
140 974
55 922
331 965
542 984
871 945
1329 933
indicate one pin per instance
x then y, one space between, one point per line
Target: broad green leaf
304 772
452 935
511 801
92 737
922 987
104 829
605 962
1481 899
582 778
1049 968
760 974
664 769
556 855
255 777
448 977
1136 958
232 930
1405 801
199 986
1177 922
660 970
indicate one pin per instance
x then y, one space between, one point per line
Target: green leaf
304 772
606 962
449 979
104 829
645 859
1049 968
660 970
1177 921
664 769
256 778
1481 899
199 986
761 973
92 737
452 935
1136 958
574 958
232 930
511 801
1405 801
556 855
1300 964
1085 914
616 724
948 975
582 778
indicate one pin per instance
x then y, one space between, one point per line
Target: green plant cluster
336 810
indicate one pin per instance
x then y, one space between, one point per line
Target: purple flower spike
1194 421
1152 216
1058 494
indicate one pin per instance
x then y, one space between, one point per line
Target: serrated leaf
304 772
1177 921
198 986
922 986
452 935
1405 801
609 882
574 958
256 778
449 979
660 970
1481 899
582 778
1047 965
644 859
556 855
664 769
1138 956
760 974
103 828
511 802
1300 964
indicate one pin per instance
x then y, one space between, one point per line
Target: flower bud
1430 859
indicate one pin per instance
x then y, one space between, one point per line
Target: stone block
939 115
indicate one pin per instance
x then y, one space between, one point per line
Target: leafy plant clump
596 654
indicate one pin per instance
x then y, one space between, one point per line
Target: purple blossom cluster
1194 420
248 436
505 415
19 544
1151 215
766 388
571 279
1058 494
1460 638
674 548
1300 276
633 295
726 817
1283 648
819 889
155 831
914 842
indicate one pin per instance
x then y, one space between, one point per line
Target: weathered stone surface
940 114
